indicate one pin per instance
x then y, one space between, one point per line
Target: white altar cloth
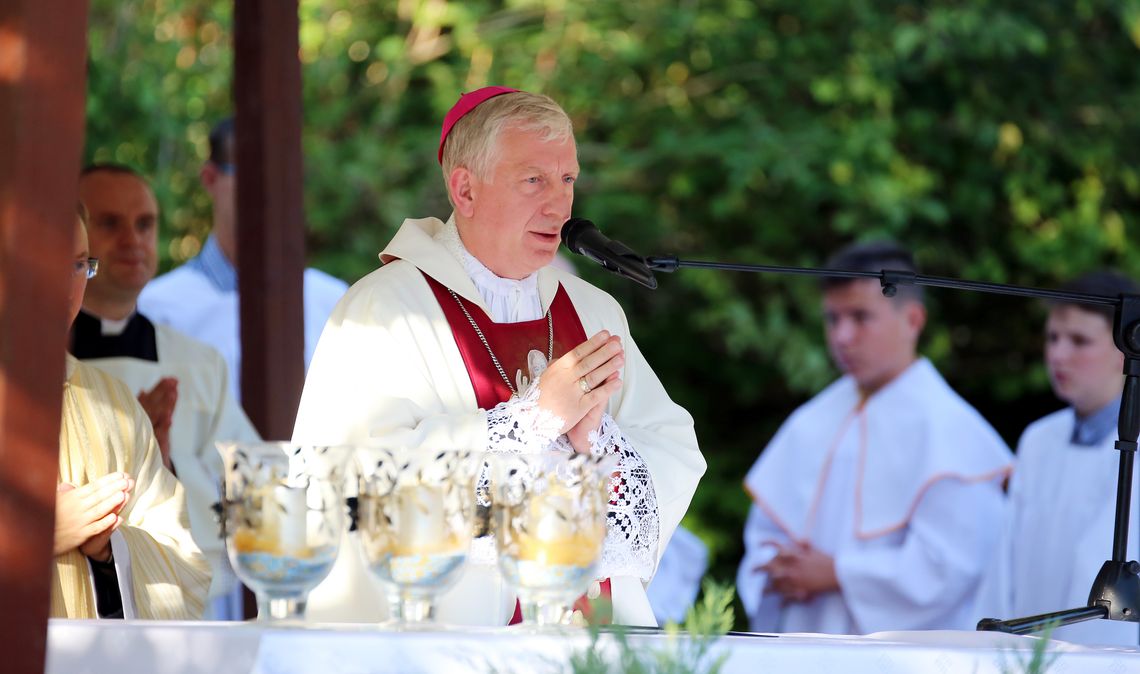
148 647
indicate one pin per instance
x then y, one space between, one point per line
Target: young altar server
877 504
1063 490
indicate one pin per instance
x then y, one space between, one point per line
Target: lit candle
551 516
421 528
559 532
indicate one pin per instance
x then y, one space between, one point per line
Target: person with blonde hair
122 538
467 337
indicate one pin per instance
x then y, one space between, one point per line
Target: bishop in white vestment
389 365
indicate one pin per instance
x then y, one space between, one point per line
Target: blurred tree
992 137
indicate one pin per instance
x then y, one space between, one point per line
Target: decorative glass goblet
415 514
282 516
550 513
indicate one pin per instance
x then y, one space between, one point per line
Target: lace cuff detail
633 530
519 425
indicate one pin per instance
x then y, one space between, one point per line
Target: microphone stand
1115 593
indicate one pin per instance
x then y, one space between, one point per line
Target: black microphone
582 237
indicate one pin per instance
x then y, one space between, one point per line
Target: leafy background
998 139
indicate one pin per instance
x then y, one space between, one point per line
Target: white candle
291 512
421 527
551 516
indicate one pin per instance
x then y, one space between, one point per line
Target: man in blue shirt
200 298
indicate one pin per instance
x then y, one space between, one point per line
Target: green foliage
1039 660
995 138
687 650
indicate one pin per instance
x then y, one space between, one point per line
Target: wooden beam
43 46
270 211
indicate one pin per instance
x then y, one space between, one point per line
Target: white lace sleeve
520 425
634 529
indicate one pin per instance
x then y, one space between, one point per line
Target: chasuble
104 430
389 368
206 412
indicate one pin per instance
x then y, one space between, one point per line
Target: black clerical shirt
88 340
136 340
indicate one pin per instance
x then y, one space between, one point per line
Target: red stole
511 342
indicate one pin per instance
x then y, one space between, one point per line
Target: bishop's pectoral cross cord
487 345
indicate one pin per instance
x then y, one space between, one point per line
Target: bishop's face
511 219
1085 367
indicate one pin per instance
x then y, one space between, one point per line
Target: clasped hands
577 386
158 403
85 517
799 572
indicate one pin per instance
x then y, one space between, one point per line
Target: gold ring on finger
584 385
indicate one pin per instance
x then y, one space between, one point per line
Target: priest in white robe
183 382
878 502
409 356
1063 490
122 546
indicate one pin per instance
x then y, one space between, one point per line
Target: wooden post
43 45
270 211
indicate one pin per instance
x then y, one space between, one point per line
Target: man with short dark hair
1063 491
876 503
201 299
182 383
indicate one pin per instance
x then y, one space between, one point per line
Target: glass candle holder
549 511
415 516
282 515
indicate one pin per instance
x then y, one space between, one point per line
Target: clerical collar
135 338
508 300
113 328
214 265
1091 430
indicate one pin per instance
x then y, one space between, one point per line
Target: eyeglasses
90 267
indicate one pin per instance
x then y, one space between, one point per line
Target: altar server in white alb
431 350
877 504
1063 492
181 382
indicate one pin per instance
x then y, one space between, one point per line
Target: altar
147 647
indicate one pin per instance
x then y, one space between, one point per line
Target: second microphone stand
1115 593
